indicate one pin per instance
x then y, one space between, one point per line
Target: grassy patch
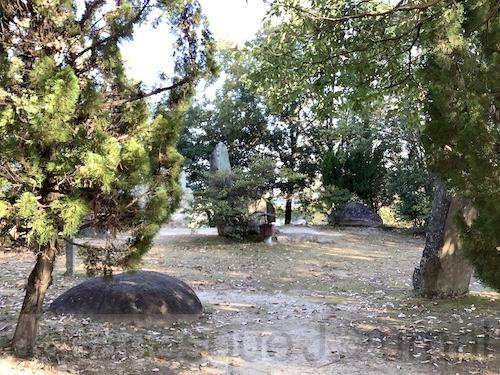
481 301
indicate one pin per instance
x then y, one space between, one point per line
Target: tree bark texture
23 343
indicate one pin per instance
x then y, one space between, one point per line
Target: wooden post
70 259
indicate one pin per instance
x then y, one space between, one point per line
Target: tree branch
142 95
397 8
493 13
114 37
90 8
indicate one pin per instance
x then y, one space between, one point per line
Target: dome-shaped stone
141 294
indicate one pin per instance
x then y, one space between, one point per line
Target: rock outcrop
356 214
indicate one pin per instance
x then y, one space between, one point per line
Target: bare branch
113 37
142 95
90 8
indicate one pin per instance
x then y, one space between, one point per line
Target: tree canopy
242 118
440 56
81 145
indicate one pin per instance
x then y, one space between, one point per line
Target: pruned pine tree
79 139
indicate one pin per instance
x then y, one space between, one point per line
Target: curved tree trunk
443 271
39 280
288 211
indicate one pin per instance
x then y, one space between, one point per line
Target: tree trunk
288 211
443 271
70 258
39 280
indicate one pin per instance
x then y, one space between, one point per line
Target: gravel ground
319 301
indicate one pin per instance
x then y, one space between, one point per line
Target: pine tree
78 136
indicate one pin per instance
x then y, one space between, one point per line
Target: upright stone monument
444 271
219 163
70 258
219 160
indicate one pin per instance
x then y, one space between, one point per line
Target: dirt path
318 302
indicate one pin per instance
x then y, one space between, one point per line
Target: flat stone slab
137 295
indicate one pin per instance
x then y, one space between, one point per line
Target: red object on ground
266 230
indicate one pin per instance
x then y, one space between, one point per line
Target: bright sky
150 52
234 20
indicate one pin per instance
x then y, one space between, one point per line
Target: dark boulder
141 294
357 214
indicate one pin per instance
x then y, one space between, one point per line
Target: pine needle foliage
80 139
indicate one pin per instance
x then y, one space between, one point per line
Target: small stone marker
70 258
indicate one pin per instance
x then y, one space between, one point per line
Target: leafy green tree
235 118
333 200
462 134
358 168
440 54
78 136
194 144
293 130
386 161
240 117
409 179
412 186
289 142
